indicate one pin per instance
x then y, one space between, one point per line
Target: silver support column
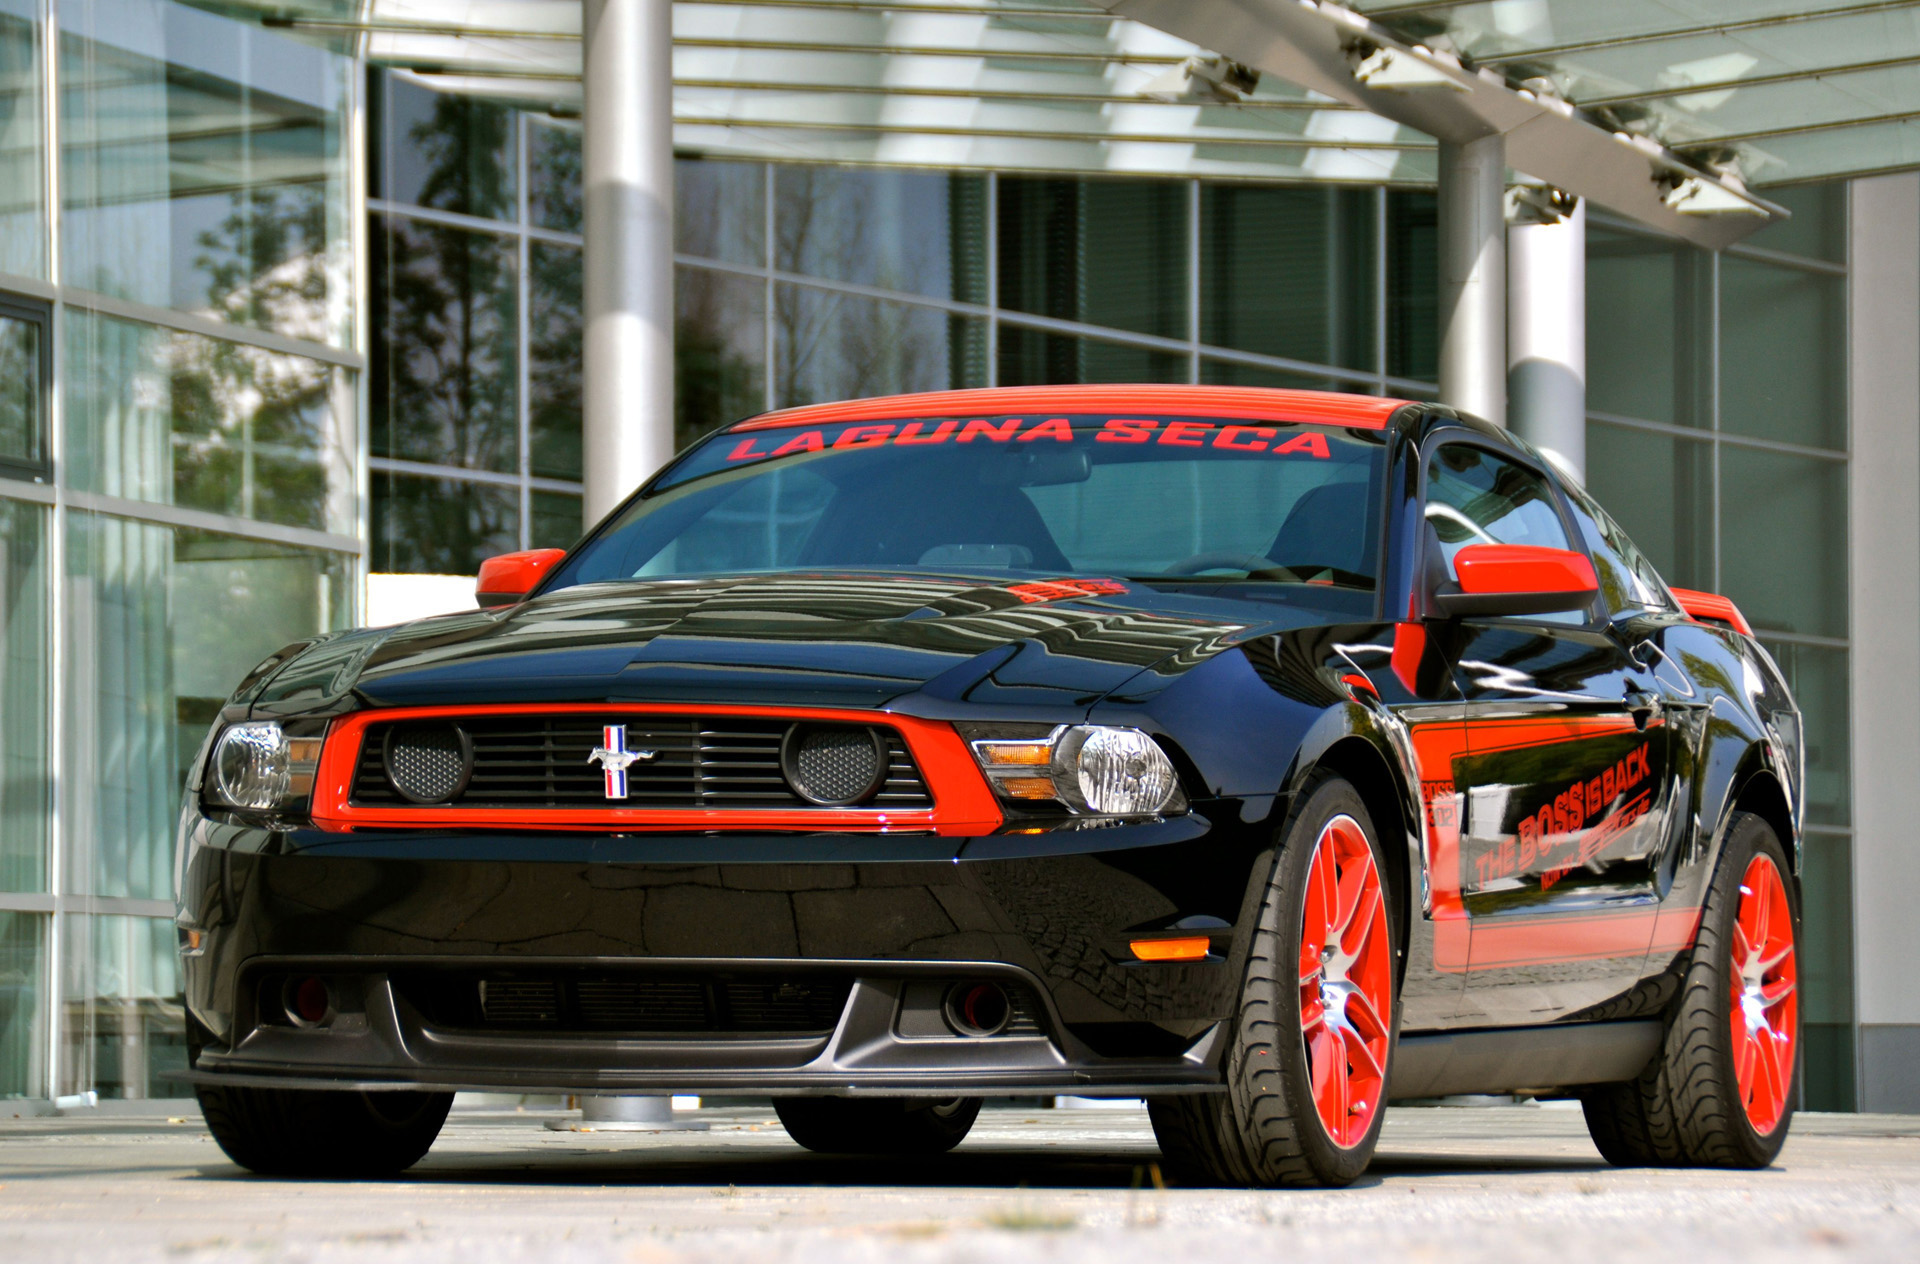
1473 277
627 51
1883 387
1547 326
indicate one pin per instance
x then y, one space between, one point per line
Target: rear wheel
293 1132
1720 1092
879 1125
1313 1042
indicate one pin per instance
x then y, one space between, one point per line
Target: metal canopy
1674 112
1021 85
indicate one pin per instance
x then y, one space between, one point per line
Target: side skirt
1437 1064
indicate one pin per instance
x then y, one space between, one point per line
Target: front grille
582 1001
699 762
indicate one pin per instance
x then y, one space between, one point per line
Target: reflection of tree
553 360
253 431
445 306
714 382
831 346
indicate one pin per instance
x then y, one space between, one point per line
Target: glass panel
22 200
23 972
556 520
204 167
1818 677
440 526
720 210
1648 325
156 414
1660 489
22 387
25 674
719 350
1288 272
553 359
1413 281
1109 252
161 626
1818 227
917 231
553 186
1628 580
445 378
1826 970
1783 353
1474 497
1032 357
452 153
833 346
1783 530
1228 373
122 1022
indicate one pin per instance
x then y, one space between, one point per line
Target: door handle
1642 705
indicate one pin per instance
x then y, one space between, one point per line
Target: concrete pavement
1496 1183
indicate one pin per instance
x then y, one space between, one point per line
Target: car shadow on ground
984 1168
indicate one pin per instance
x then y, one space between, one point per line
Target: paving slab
1507 1183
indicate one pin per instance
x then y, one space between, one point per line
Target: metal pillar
627 51
1473 278
1547 327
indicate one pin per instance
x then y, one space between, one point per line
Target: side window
1476 497
1627 579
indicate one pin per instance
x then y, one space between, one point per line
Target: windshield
1155 499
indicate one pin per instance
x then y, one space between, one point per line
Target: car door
1562 790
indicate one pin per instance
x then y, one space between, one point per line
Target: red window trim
963 804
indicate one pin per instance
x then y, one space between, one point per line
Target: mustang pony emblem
614 757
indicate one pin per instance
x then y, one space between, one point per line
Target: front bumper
889 923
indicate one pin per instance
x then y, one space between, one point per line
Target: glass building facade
296 321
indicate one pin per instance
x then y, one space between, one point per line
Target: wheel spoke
1773 958
1326 1073
1362 1057
1360 925
1745 1050
1313 1016
1742 949
1772 994
1363 1017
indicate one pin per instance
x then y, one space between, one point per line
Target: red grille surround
963 804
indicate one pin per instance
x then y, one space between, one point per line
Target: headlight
1093 769
258 766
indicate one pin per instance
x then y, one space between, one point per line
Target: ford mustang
1268 755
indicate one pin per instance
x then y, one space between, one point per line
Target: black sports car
1265 754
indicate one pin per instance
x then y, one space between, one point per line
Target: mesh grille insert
426 762
834 765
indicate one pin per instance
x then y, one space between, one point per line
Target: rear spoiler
1706 607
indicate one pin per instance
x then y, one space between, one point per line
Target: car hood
857 640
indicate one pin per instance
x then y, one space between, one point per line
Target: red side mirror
511 576
1518 579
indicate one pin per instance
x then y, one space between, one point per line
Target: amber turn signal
1194 949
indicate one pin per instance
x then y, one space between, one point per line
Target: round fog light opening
834 765
978 1009
309 1000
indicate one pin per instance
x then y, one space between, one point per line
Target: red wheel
1312 1046
1346 980
1720 1091
1765 1006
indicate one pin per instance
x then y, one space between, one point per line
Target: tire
1312 1044
293 1132
1720 1092
879 1125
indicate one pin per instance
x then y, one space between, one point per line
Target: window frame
38 467
1556 496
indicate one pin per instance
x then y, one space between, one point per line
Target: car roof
1252 403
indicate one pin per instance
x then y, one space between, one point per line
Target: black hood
857 640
